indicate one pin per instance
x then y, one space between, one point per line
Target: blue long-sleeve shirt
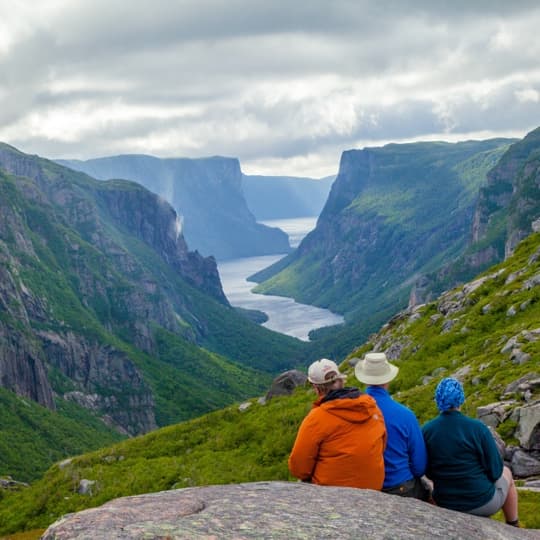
405 455
464 462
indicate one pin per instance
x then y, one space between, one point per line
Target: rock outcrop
285 383
276 510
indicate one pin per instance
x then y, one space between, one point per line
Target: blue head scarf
449 394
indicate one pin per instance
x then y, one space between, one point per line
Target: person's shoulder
476 424
403 408
431 424
400 409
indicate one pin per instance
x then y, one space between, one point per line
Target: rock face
507 211
89 270
276 510
513 189
102 378
206 192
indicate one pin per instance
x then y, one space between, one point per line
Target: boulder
284 384
7 483
494 413
527 383
528 430
276 510
525 464
86 487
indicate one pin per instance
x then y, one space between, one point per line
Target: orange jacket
341 442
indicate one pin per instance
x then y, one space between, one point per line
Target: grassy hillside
231 446
100 297
394 214
32 436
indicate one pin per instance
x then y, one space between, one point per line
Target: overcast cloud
285 86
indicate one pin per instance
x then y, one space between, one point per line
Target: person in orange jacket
342 439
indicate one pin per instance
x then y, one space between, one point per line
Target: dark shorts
495 504
411 488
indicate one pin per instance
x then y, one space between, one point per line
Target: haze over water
284 314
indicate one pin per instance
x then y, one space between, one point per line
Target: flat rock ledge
276 510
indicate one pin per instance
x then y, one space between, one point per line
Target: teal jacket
463 461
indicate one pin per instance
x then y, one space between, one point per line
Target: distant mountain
507 208
393 214
281 197
104 310
208 195
486 333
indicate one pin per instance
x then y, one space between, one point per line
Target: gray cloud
278 84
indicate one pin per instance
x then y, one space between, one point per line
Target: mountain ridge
394 213
103 306
206 192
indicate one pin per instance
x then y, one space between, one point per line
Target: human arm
304 453
416 449
490 457
425 435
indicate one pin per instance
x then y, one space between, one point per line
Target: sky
284 86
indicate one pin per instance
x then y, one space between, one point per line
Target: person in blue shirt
405 455
463 460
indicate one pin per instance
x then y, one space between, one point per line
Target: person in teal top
463 460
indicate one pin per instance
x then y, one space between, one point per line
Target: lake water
284 314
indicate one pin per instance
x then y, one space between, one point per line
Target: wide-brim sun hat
375 369
324 371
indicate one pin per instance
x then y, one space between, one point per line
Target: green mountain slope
393 214
507 206
104 310
462 333
32 436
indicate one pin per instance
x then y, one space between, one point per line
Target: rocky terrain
276 510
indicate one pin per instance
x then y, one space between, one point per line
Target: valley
284 314
198 200
139 339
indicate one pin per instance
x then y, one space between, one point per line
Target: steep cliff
103 306
206 192
510 201
507 207
392 213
